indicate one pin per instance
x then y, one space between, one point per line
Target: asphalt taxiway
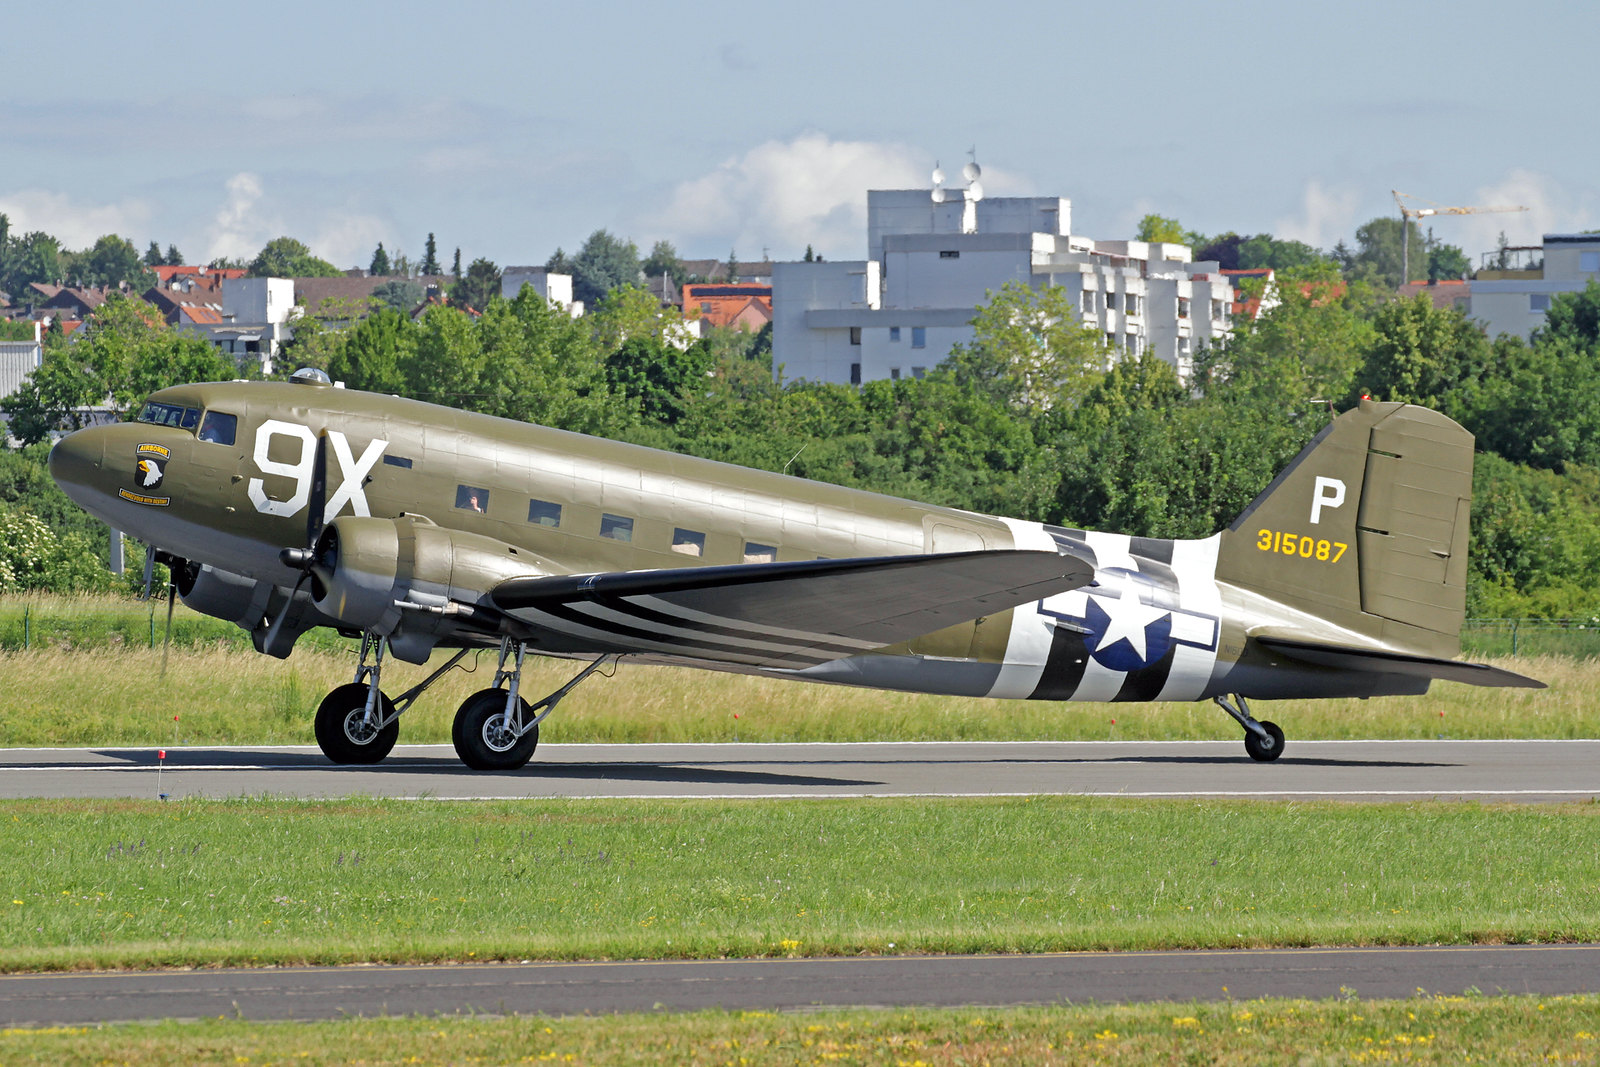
795 985
1529 771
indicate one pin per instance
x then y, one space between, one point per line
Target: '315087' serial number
1300 545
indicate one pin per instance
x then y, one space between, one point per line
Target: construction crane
1409 213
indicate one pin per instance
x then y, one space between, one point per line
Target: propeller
301 558
166 636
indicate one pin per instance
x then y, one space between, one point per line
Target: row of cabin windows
612 527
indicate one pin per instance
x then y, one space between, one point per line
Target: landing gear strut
495 729
1262 740
358 723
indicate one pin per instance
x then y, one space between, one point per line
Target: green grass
139 883
1421 1030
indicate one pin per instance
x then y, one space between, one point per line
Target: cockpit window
219 427
170 415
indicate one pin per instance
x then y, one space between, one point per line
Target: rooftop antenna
973 193
938 183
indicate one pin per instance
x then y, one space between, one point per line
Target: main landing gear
494 729
1262 740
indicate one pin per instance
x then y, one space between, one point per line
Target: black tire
1263 750
480 736
339 728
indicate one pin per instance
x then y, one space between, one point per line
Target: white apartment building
930 264
1515 301
555 288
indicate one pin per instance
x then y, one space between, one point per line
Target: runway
792 985
1521 771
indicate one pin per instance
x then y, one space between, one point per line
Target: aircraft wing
1357 659
790 615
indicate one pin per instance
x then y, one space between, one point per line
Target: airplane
283 506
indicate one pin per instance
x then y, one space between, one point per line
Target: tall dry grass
116 696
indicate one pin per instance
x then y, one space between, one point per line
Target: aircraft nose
75 461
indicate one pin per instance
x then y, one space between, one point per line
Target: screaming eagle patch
150 468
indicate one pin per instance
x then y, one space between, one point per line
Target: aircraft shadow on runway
679 773
1282 761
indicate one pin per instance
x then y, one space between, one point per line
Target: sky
512 129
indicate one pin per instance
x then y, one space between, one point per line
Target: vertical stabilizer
1366 528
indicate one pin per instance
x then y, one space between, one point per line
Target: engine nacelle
403 577
222 594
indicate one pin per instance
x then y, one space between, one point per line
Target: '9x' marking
350 489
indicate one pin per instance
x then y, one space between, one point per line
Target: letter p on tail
1329 493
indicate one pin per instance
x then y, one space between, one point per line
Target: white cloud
1327 217
236 231
1552 208
75 225
784 195
347 240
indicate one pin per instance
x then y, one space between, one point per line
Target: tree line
1026 420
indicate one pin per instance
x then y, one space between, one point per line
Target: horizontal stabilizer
1362 659
791 615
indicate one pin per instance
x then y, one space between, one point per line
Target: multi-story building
931 263
1514 299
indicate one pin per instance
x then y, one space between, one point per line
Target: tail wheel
484 739
345 736
1264 749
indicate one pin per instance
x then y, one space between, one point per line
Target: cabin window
219 427
616 527
472 498
398 461
755 553
544 513
689 542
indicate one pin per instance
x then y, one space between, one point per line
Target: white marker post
161 759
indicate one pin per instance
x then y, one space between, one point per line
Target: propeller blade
149 570
166 638
319 491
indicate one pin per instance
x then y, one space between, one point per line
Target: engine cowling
222 594
402 578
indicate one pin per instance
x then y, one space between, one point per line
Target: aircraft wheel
343 737
482 738
1264 750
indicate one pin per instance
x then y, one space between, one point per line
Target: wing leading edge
784 615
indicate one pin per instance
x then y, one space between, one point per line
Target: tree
558 263
380 267
374 353
113 261
658 376
1159 228
1378 255
1265 250
455 268
402 294
1028 350
810 255
603 263
285 257
33 257
152 255
481 285
430 257
632 312
125 352
733 265
174 257
663 259
1573 317
1421 354
1447 263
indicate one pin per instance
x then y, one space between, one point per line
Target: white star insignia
1128 618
